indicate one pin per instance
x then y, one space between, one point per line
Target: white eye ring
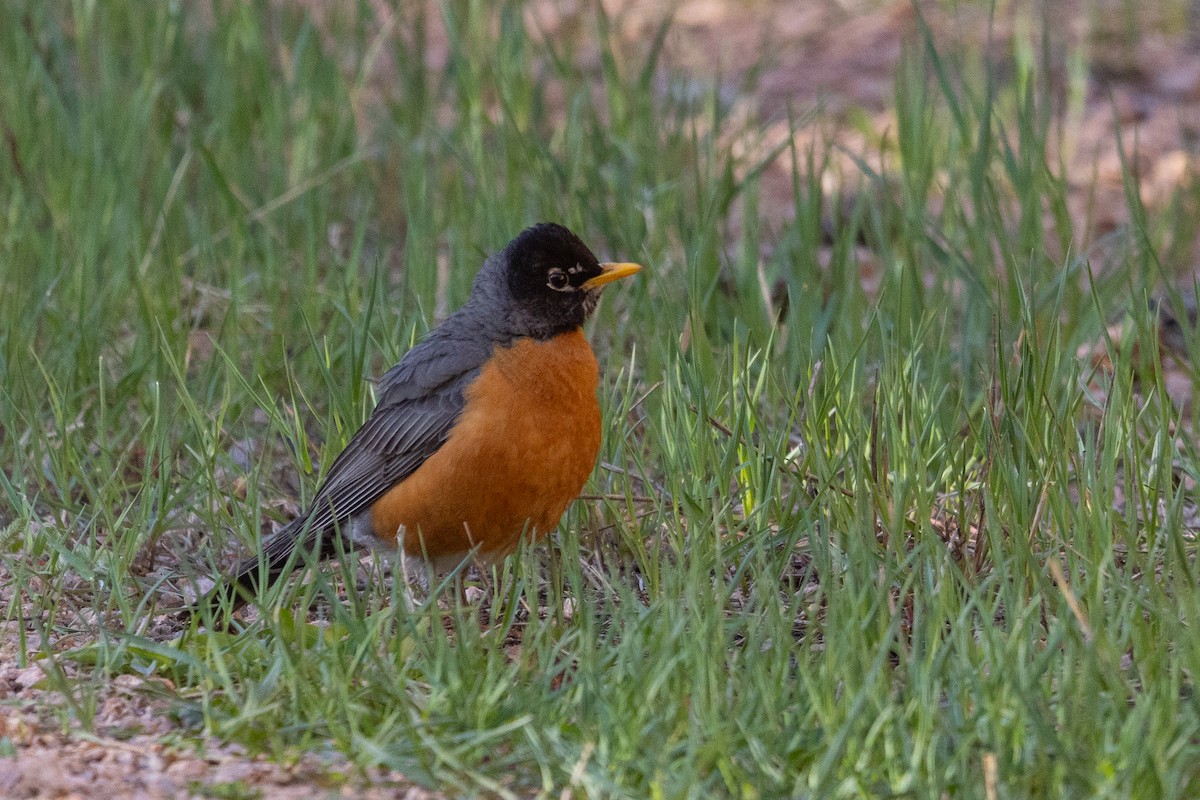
558 280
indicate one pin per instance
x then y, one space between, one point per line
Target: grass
902 544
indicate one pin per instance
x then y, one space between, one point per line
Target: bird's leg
416 571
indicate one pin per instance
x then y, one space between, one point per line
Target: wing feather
420 400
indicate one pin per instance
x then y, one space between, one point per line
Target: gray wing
420 400
391 444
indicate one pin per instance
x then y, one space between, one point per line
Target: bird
484 432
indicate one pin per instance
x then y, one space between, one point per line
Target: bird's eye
558 280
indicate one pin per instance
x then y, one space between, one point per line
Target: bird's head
552 281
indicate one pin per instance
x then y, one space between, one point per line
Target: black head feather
545 269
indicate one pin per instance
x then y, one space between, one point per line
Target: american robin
484 432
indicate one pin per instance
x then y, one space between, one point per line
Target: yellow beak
611 272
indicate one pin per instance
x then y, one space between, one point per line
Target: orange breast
519 454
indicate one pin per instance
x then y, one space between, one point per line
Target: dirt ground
135 750
833 57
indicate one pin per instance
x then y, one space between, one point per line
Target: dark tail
255 573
